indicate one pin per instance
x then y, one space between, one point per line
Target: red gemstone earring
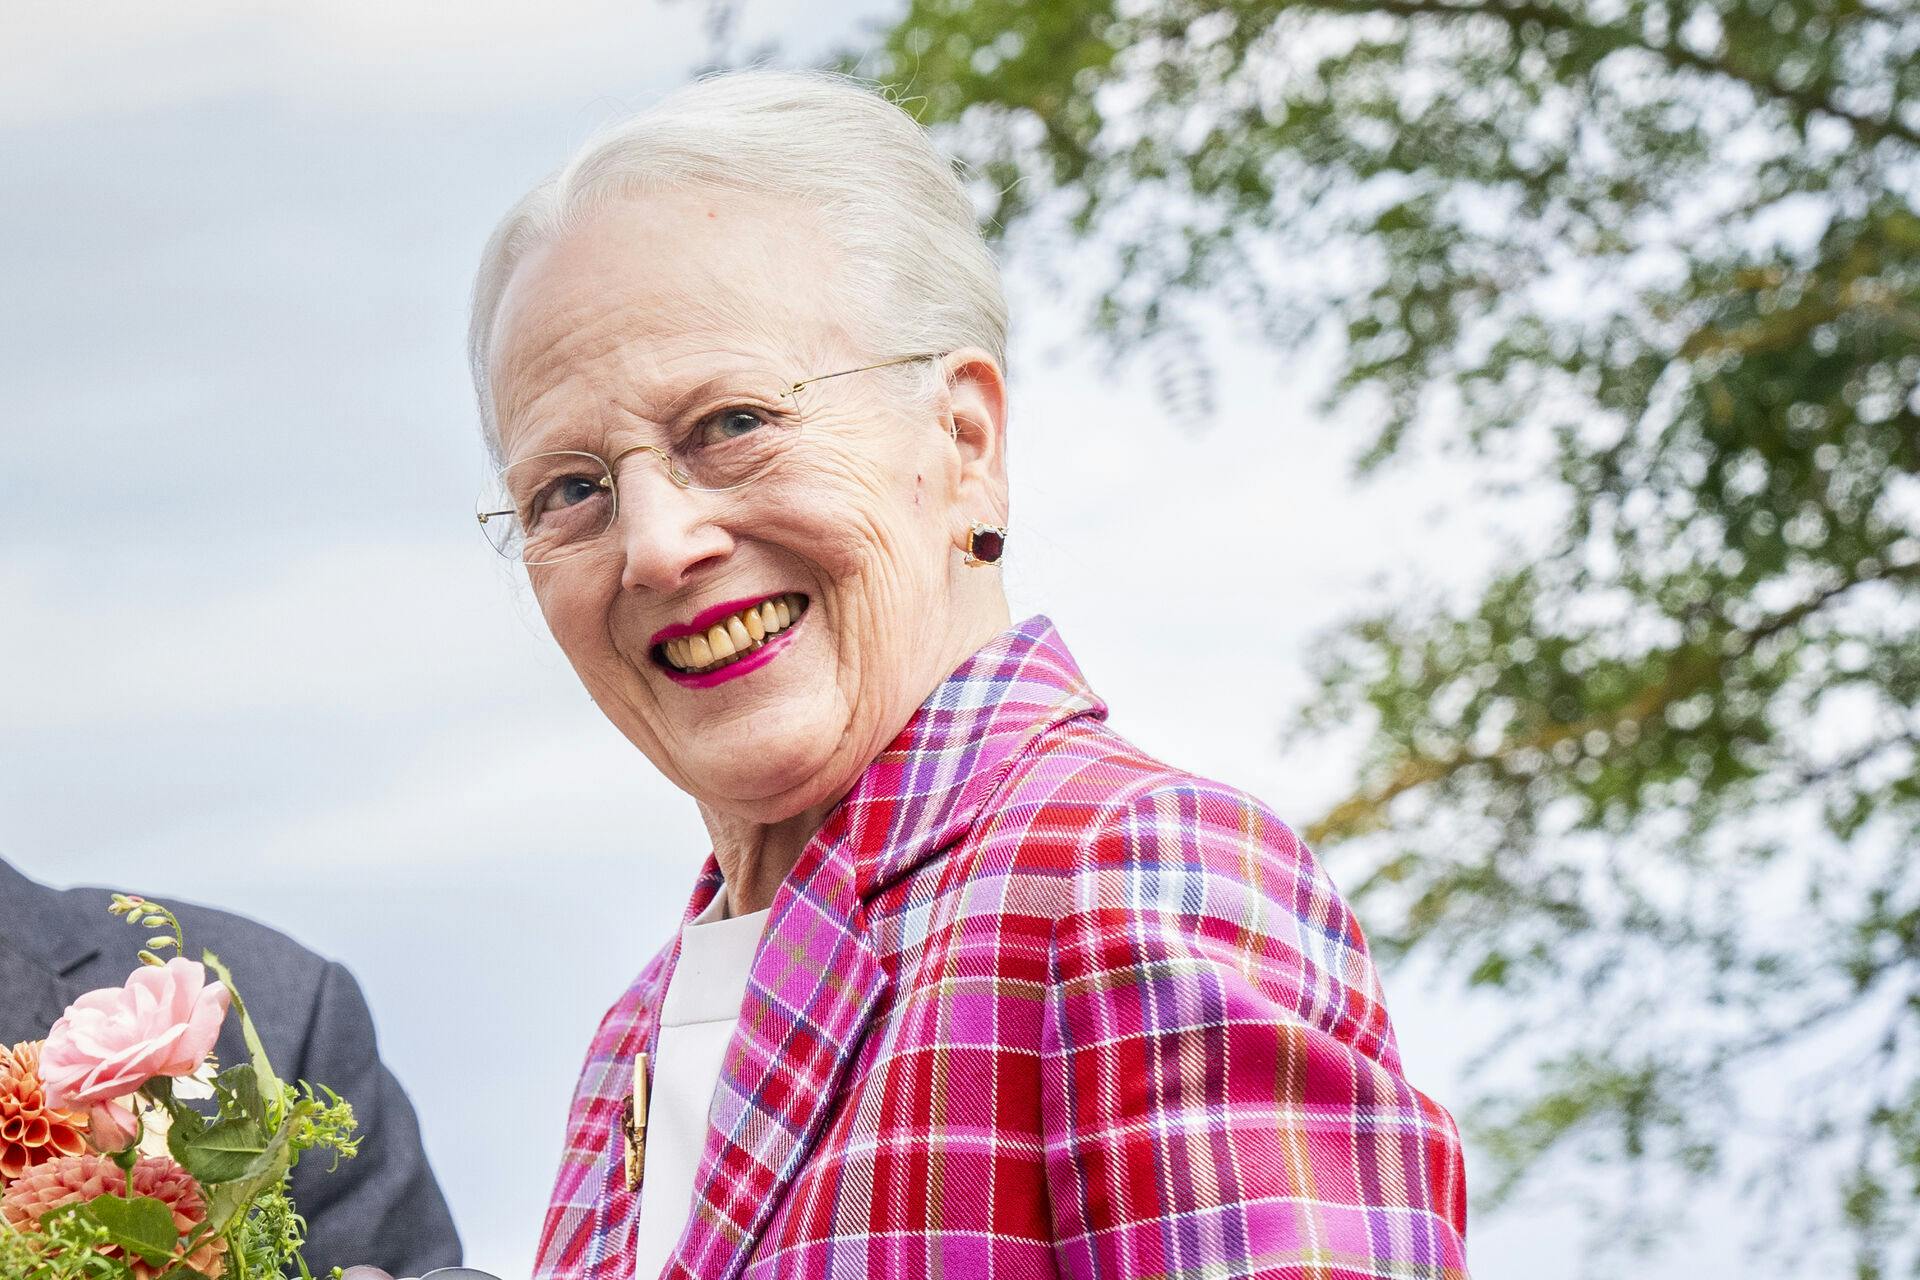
985 544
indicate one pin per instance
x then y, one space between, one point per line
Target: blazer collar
927 788
817 981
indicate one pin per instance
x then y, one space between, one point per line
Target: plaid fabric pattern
1033 1004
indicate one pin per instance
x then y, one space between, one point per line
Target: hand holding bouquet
126 1154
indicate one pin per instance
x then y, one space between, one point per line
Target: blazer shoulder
1152 864
272 970
1096 799
265 962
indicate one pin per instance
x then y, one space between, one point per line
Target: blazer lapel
815 986
606 1238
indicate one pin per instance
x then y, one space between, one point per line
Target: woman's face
684 315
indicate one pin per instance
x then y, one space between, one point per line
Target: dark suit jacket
383 1207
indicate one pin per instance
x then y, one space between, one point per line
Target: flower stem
126 1160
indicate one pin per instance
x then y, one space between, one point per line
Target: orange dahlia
74 1179
31 1132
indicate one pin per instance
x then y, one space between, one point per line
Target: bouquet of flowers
127 1153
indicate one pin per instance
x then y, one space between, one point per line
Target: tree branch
1813 775
1870 128
1689 672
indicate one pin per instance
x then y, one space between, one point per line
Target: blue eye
567 491
729 424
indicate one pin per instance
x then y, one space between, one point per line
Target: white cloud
69 59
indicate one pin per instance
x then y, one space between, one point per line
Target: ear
976 419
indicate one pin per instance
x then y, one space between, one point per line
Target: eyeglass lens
551 505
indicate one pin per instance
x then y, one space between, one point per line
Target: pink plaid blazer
1033 1004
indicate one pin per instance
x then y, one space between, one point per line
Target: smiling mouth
738 635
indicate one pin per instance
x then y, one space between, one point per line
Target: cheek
822 512
872 533
869 506
577 620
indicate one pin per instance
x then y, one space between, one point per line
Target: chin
769 780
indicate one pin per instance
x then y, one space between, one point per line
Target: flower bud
111 1128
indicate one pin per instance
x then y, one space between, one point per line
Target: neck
756 856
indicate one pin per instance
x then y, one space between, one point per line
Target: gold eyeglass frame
674 473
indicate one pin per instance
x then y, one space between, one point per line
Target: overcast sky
258 656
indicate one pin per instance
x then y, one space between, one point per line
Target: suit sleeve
383 1207
1221 1093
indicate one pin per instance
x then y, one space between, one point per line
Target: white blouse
697 1018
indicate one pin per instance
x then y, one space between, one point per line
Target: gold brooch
633 1124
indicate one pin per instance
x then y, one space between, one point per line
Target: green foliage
66 1247
261 1129
1658 785
267 1241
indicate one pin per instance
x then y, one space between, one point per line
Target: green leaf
142 1225
228 1200
238 1089
222 1151
268 1084
1491 971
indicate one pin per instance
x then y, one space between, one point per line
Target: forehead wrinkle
567 345
603 332
646 375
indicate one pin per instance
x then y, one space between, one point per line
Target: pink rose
111 1127
162 1023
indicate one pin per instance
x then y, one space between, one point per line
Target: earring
985 544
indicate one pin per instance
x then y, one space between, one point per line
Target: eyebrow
758 380
573 433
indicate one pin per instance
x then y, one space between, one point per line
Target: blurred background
1487 431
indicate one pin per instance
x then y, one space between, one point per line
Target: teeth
736 637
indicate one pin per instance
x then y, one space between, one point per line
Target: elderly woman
969 985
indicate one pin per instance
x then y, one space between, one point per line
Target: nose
666 533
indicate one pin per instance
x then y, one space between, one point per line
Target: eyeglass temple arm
884 364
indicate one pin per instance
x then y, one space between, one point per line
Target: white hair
923 275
